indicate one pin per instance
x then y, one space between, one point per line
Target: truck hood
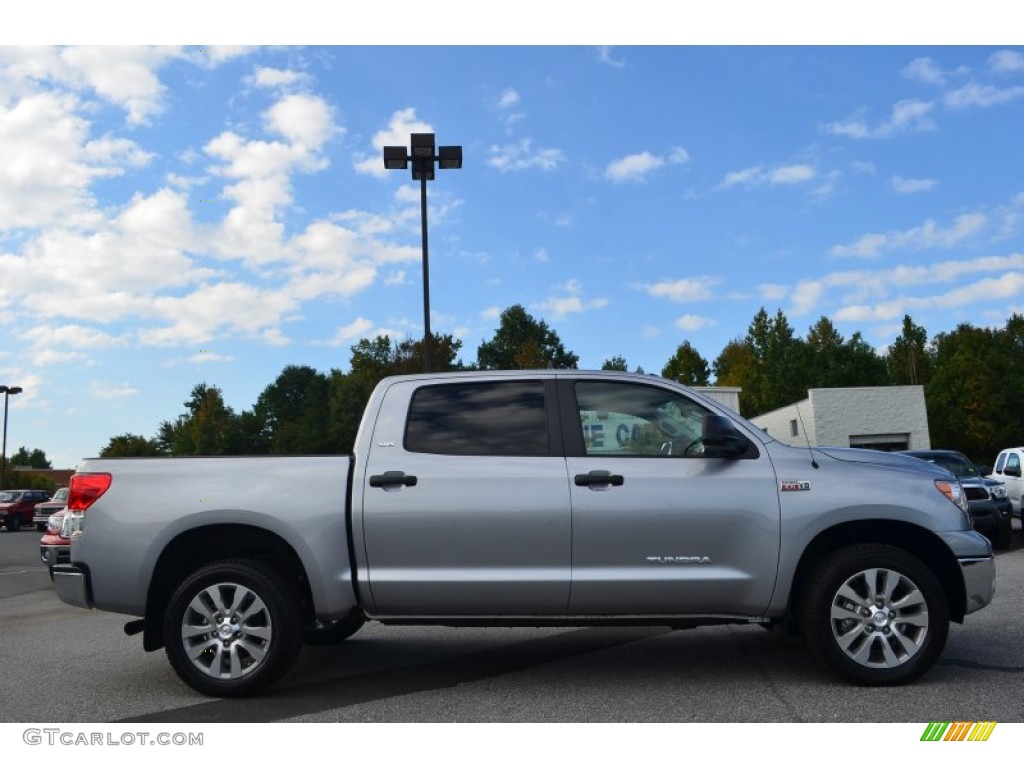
880 458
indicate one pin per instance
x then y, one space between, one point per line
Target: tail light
86 488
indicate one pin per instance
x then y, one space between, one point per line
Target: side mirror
984 471
1012 471
722 438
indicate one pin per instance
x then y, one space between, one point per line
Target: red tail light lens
86 488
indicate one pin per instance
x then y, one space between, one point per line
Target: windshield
958 465
60 495
9 496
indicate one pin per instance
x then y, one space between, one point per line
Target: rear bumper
72 585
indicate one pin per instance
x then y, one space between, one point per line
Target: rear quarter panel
152 501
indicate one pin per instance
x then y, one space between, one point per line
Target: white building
886 418
727 396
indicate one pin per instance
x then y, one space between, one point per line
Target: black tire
334 632
874 614
14 523
260 628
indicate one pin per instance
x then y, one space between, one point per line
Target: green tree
834 362
736 366
687 366
126 445
970 408
371 361
36 458
616 363
521 342
291 413
909 361
205 429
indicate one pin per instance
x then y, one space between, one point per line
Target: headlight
953 491
53 524
998 491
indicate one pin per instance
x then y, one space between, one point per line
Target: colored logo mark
958 731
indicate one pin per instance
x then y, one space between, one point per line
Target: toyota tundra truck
528 498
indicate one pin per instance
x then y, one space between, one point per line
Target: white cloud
509 98
906 116
693 322
306 121
269 77
205 356
351 333
604 55
791 174
491 313
909 186
773 291
105 391
924 70
805 297
678 156
522 156
402 124
633 167
1006 61
975 95
562 306
685 289
756 176
928 235
47 162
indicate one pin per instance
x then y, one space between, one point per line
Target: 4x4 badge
794 485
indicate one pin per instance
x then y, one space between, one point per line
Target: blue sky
191 213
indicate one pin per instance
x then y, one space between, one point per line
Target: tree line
970 376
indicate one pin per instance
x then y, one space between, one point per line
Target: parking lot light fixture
423 154
8 391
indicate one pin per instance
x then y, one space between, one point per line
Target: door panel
684 533
475 535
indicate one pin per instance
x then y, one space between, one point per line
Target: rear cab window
493 418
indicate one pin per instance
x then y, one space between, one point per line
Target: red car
53 547
47 508
18 507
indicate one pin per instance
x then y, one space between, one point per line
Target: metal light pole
8 391
421 153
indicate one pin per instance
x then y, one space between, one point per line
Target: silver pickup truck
528 498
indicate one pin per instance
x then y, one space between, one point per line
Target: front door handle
598 477
389 479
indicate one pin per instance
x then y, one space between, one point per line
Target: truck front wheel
233 628
875 614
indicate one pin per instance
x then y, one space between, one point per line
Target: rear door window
503 418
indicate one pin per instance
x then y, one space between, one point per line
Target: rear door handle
598 477
390 479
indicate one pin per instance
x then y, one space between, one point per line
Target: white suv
1008 469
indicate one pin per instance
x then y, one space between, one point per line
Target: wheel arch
921 543
196 547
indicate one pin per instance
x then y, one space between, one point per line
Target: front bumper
72 585
979 575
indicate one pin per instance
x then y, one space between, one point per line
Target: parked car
54 547
1008 469
17 508
47 508
987 498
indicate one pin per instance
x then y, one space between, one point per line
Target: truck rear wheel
874 614
233 628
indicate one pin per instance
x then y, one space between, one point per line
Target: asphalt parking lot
65 665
